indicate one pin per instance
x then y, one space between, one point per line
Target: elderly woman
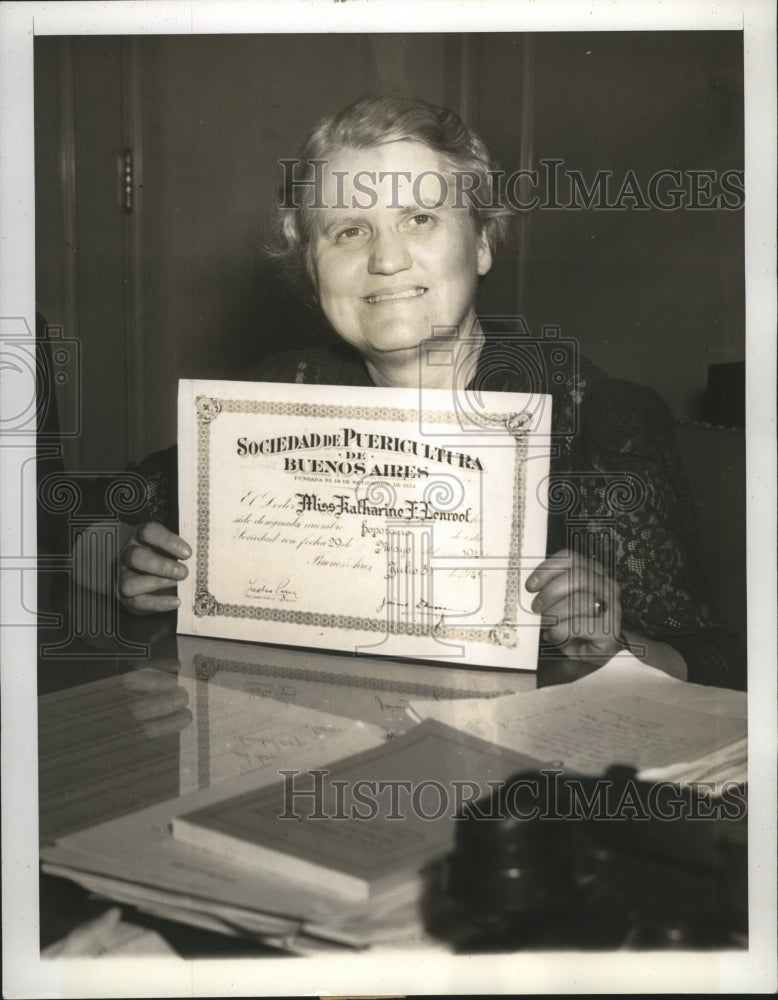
393 237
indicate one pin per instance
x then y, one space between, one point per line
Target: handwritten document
624 713
403 523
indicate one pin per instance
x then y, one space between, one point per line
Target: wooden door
86 237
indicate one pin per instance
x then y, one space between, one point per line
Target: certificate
393 522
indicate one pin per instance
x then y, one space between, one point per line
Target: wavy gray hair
373 121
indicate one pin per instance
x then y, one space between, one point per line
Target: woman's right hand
148 565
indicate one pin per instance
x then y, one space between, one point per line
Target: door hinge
127 180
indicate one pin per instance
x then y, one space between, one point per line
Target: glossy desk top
141 718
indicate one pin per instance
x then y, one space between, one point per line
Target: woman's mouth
391 296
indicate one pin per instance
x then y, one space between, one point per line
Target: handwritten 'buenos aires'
347 437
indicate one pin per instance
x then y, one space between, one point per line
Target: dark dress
617 488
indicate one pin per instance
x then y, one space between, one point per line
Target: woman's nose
388 254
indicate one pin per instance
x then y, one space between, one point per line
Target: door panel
179 287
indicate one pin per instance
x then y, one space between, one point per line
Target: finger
558 564
564 617
159 537
169 724
583 605
153 675
160 704
555 589
575 617
143 559
147 604
147 561
165 665
133 584
556 622
579 576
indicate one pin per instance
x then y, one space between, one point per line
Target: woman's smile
393 295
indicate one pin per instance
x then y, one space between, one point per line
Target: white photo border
23 972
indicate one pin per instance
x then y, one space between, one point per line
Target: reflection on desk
200 712
201 719
112 745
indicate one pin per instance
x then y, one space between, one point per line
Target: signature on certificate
261 591
430 611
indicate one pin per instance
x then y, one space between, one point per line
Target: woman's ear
483 254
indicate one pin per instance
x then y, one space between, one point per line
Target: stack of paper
137 861
625 713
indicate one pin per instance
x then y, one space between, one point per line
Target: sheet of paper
178 905
624 713
109 936
402 524
401 922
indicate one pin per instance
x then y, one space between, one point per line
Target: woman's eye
349 234
421 219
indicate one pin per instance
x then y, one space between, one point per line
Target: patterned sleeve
160 474
628 432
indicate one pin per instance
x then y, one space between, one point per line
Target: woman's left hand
580 606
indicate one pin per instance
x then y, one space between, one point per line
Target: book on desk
363 827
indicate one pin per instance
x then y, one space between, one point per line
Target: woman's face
388 267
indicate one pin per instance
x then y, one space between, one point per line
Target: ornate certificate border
503 633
